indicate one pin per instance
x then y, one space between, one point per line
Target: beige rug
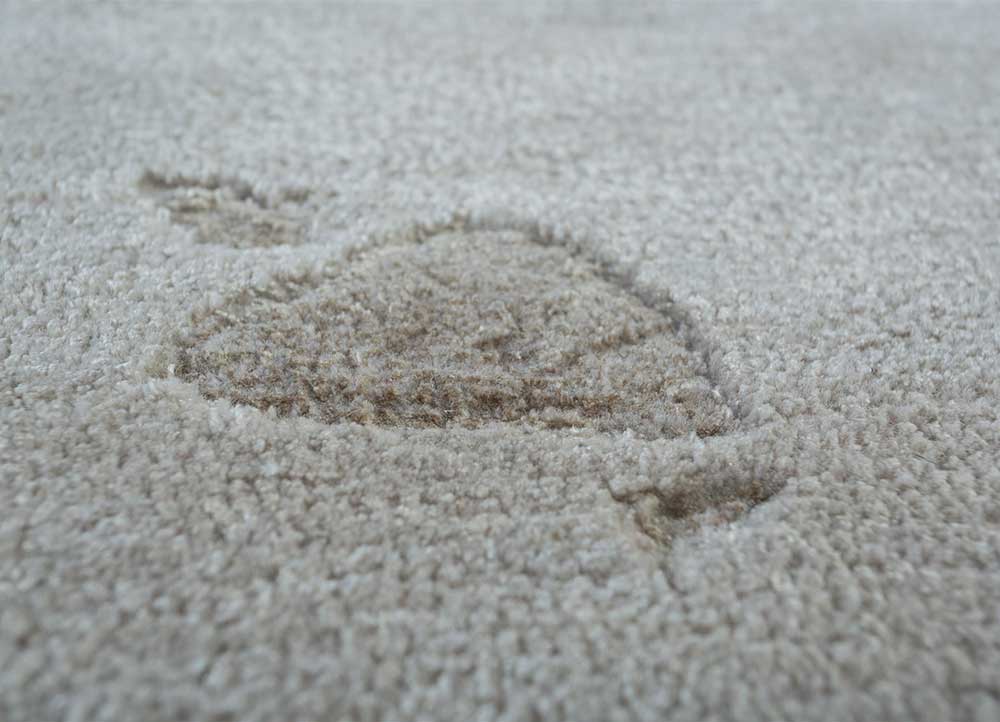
511 361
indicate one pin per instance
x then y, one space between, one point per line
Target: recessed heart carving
464 329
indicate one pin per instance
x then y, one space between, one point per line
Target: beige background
815 187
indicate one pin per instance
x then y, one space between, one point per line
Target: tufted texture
785 222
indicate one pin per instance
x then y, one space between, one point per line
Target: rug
517 361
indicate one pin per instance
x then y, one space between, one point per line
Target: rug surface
595 361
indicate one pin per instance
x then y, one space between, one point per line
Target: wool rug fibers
520 361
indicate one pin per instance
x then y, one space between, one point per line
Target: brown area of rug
465 329
228 212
